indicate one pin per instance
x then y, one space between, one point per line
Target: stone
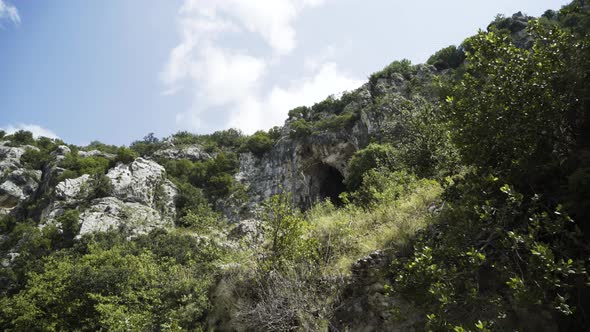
70 190
18 186
60 153
137 182
110 213
95 153
191 152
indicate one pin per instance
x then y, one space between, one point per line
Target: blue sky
115 70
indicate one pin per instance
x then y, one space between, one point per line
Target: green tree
283 226
516 108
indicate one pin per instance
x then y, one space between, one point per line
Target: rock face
314 167
141 199
72 190
17 183
110 213
95 153
191 152
365 306
143 181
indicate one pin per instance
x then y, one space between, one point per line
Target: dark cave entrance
329 182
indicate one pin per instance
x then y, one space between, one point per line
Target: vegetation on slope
478 190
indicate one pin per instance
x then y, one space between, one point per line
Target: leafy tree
515 105
283 227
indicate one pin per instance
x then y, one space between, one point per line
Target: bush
380 186
22 137
96 145
300 128
371 157
403 67
448 57
259 143
75 166
337 122
283 227
100 186
147 146
125 155
70 225
34 159
301 112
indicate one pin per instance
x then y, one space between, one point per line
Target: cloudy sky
115 70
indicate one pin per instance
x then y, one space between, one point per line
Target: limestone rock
191 152
17 186
138 181
72 189
95 153
60 153
110 213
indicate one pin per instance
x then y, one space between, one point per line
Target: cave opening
331 184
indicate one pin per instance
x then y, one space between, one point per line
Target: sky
115 70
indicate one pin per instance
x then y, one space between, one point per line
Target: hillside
447 196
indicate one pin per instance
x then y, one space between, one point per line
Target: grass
347 234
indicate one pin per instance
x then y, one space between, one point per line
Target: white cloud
230 79
272 109
37 130
9 11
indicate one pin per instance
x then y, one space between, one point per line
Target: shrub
403 67
283 227
259 143
301 112
373 156
337 122
22 137
96 145
70 225
300 128
448 57
34 159
125 155
275 133
75 166
147 146
2 134
100 186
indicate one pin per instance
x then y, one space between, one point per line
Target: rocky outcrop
110 213
17 183
141 199
191 152
366 307
144 181
95 153
73 190
314 167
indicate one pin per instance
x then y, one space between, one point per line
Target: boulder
71 190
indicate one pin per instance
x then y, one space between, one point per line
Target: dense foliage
475 190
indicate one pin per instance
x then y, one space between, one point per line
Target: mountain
451 195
